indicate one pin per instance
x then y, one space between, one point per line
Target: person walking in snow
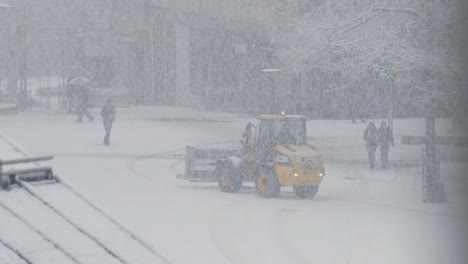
108 116
371 139
83 103
385 139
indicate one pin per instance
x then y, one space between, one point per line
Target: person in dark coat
108 116
371 139
82 102
385 139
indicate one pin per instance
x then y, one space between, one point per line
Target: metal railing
9 176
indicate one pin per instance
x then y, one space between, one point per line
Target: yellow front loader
274 154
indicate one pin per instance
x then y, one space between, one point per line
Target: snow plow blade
200 164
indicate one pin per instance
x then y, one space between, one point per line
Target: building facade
191 52
178 52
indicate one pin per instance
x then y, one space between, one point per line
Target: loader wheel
305 191
267 186
226 180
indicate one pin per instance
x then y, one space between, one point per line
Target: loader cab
278 129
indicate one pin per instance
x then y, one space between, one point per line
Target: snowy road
358 216
337 227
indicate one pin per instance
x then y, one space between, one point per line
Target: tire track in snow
271 222
223 244
279 223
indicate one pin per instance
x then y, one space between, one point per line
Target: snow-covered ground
359 215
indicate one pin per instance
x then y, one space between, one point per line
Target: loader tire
305 191
226 180
267 186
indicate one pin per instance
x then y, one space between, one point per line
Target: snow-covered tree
412 48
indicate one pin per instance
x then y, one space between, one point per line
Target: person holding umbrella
82 98
83 103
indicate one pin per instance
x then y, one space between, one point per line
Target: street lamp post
396 74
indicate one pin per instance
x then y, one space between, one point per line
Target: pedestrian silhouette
83 103
371 139
108 116
385 139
